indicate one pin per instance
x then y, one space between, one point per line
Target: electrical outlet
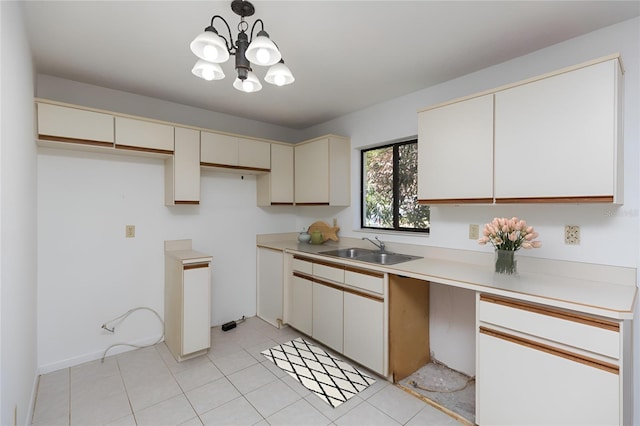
572 234
335 222
130 231
474 231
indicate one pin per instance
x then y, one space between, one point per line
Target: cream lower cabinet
328 314
301 304
342 307
270 285
538 365
364 338
187 311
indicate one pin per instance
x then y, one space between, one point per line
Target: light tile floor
233 385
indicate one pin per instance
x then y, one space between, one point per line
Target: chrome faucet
379 243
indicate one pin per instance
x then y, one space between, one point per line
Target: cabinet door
312 172
557 137
518 384
254 154
270 285
182 171
276 187
218 149
143 135
364 330
301 304
327 315
66 124
455 152
196 326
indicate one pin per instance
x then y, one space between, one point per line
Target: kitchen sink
387 258
350 253
371 256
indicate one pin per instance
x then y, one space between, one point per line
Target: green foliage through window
390 189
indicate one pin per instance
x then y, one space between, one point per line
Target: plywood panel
408 325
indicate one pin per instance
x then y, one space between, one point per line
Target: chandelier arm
230 47
254 26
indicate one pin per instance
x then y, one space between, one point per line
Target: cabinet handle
195 266
591 362
556 313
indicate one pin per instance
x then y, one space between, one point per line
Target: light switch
130 231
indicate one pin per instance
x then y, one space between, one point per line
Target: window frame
396 189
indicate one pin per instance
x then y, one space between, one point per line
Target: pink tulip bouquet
509 234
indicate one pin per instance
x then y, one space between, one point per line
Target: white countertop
596 296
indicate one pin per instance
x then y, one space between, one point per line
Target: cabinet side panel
270 285
408 325
339 174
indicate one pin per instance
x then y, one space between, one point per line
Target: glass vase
506 262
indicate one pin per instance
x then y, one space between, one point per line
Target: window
390 189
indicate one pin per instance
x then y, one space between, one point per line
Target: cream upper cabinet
254 154
322 172
558 138
182 170
65 124
555 138
140 135
455 152
220 150
276 187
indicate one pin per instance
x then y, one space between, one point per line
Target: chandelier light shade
208 70
279 74
213 49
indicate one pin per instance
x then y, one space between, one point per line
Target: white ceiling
345 55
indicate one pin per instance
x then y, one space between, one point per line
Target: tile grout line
126 391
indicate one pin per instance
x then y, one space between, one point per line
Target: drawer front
370 281
302 265
328 272
573 329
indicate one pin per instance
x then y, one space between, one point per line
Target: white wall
609 235
89 273
18 368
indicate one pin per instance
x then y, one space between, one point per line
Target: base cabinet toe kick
542 365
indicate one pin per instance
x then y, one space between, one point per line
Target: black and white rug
332 379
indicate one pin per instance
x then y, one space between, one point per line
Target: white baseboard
92 356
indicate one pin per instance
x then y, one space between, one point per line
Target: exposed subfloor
449 389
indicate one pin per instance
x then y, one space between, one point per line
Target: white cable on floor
119 320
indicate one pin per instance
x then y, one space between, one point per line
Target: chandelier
214 49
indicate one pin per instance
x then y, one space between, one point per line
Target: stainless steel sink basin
371 256
350 253
387 258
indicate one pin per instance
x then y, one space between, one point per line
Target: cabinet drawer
573 329
302 265
328 271
366 280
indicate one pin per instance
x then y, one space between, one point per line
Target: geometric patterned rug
332 379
